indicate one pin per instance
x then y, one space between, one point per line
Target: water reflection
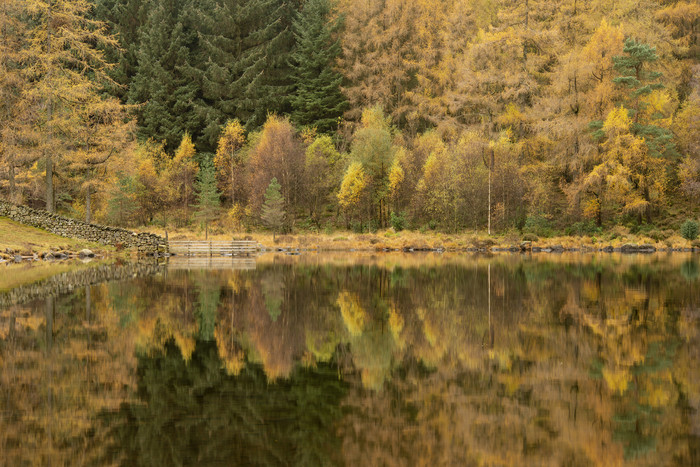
367 360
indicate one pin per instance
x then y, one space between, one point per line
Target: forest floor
431 240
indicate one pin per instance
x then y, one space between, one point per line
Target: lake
361 359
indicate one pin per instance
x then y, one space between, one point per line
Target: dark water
362 360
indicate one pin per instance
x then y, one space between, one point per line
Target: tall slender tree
317 100
67 66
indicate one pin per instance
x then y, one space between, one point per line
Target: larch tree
17 135
66 63
278 154
229 163
181 174
101 130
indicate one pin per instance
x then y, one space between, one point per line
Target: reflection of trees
194 413
590 363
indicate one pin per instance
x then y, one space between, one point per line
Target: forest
314 115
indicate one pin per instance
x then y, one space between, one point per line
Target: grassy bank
388 239
25 240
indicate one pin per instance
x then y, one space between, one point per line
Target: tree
17 132
166 84
273 207
317 100
323 165
626 176
646 101
207 196
246 73
181 174
228 161
372 147
67 66
279 154
352 191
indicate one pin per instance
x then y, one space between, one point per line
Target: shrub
583 228
538 225
689 230
398 221
528 237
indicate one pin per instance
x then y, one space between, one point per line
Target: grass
26 240
388 239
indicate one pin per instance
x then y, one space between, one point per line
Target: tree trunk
88 213
50 205
12 181
49 184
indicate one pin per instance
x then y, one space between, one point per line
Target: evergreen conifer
207 195
317 100
273 207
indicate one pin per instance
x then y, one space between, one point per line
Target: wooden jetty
213 248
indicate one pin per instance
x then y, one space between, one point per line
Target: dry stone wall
145 243
69 281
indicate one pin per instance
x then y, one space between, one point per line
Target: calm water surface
362 360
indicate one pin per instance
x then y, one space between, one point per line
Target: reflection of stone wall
68 281
66 227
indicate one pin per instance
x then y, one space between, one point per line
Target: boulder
18 259
526 246
629 248
85 253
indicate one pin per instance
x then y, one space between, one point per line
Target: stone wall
145 243
66 282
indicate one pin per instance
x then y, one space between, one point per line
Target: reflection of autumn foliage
575 362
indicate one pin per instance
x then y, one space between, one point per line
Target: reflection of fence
213 248
211 262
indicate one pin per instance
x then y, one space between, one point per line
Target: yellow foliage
353 186
618 121
396 177
373 117
617 380
231 140
591 208
186 151
353 314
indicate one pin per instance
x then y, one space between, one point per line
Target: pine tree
273 207
167 83
124 19
317 100
245 75
642 84
207 195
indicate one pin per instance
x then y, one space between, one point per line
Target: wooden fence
213 248
179 263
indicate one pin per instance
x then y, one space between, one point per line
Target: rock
536 249
85 253
526 246
608 249
557 248
647 248
629 248
49 257
18 259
